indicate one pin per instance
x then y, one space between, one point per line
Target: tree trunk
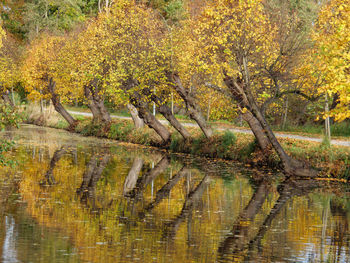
245 99
92 106
138 122
59 107
291 166
258 131
208 109
41 106
284 119
99 102
149 119
327 121
96 105
106 117
192 107
166 112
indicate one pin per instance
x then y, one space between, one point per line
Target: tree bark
284 118
244 98
59 107
138 122
291 166
257 130
191 106
335 101
92 106
96 104
148 118
166 112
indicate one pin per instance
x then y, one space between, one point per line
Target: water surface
75 199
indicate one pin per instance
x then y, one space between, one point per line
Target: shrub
9 116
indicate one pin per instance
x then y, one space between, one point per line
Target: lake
74 199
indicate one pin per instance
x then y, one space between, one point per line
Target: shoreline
333 161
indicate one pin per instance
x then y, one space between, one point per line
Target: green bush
9 116
228 140
91 130
6 146
341 129
120 130
346 170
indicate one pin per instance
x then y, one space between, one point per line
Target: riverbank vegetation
331 161
263 62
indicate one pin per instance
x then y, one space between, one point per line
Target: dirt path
247 131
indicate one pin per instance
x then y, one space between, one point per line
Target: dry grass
49 117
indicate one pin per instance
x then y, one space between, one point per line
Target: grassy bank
338 130
333 160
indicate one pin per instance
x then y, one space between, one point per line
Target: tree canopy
228 58
332 38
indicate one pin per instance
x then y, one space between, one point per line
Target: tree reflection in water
200 211
91 176
241 242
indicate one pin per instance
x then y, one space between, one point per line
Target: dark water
74 199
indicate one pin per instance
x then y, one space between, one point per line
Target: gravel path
247 131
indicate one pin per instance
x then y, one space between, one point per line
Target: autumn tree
332 37
132 56
8 65
240 45
39 70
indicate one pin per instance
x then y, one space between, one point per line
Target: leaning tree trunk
257 130
291 166
138 122
59 107
149 118
245 99
192 108
167 113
